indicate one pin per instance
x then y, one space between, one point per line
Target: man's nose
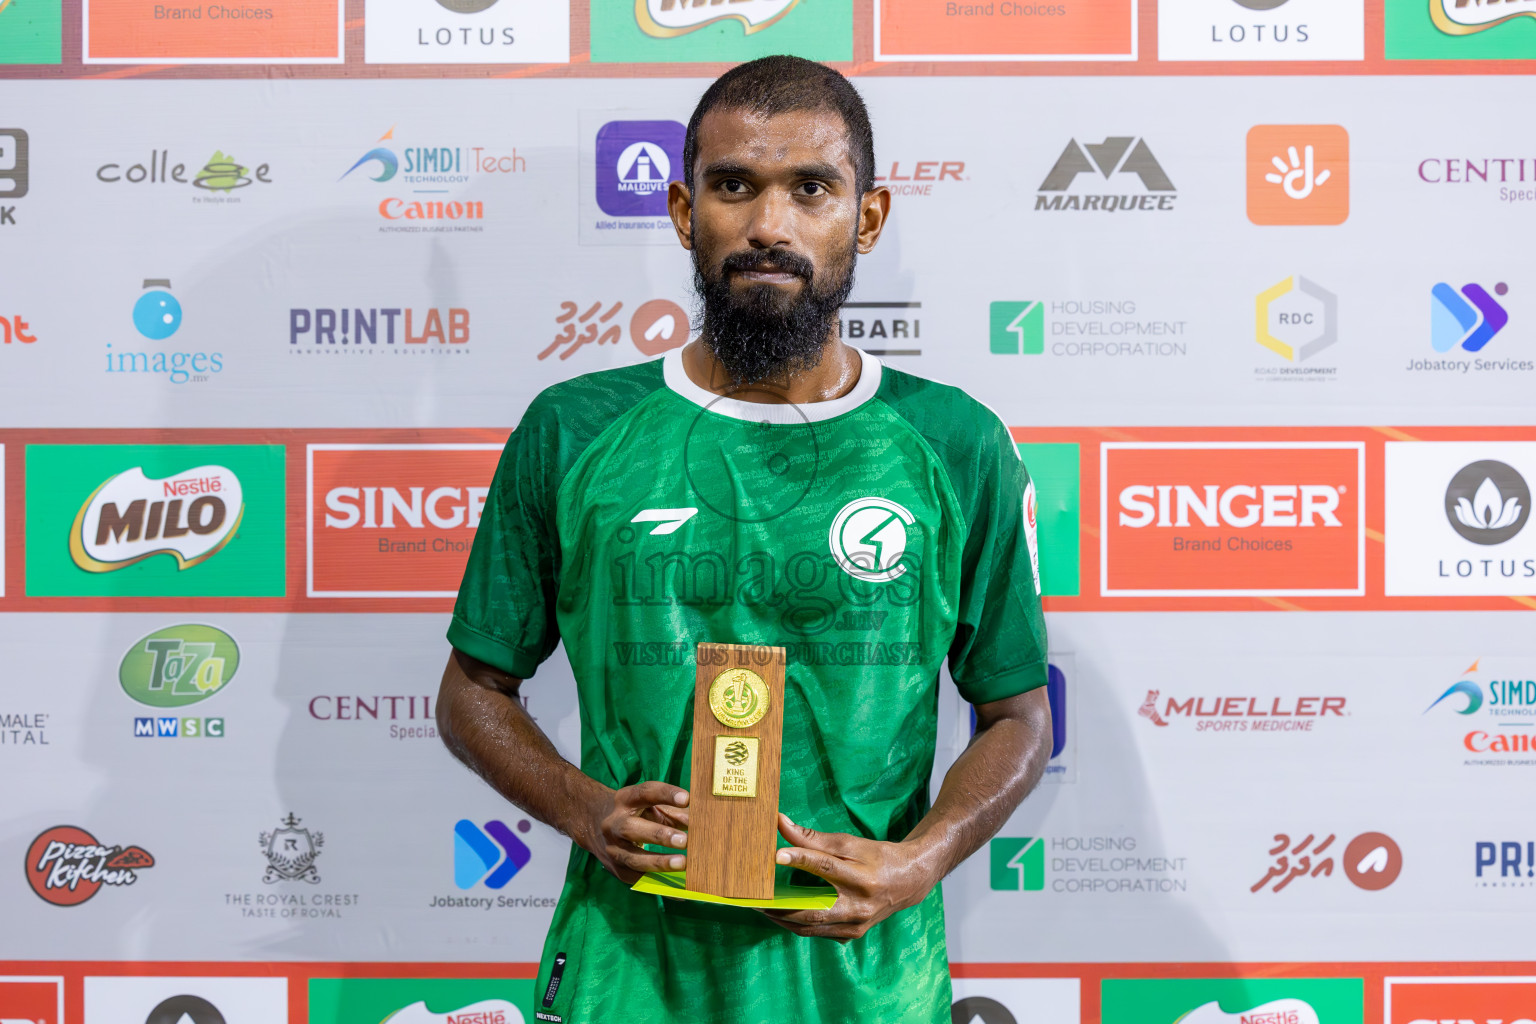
772 214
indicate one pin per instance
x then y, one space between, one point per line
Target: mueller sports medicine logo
399 330
636 160
1216 713
665 19
1132 179
67 865
1465 17
1238 519
394 520
189 516
920 176
1488 1000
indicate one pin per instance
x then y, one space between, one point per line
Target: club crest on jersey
868 538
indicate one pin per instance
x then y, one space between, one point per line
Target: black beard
761 334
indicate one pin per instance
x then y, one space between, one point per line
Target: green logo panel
1018 864
1411 33
179 665
63 479
1054 469
1165 1001
1017 328
31 32
813 29
423 1001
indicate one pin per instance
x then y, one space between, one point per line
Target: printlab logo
1298 174
635 162
1017 864
1372 861
1296 319
665 19
1018 328
291 852
1487 502
1505 865
1114 159
492 854
14 164
221 173
869 537
349 330
67 866
1469 318
655 327
130 517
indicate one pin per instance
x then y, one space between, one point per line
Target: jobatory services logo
1298 174
1241 30
379 330
31 999
921 176
394 520
1084 328
1460 29
418 176
15 168
1466 320
175 667
66 865
465 32
1132 178
1217 713
1489 1000
155 520
882 328
221 179
1232 519
1456 515
636 160
419 1001
1370 861
196 1000
32 32
491 855
1233 1001
1115 865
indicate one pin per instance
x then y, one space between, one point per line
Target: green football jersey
635 514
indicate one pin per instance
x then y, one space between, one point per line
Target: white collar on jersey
759 412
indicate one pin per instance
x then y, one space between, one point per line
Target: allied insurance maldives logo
1232 519
66 865
155 520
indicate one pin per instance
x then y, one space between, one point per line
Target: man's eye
813 188
733 185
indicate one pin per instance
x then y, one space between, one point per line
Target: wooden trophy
733 805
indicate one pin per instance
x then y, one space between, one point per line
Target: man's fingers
639 831
647 793
817 863
832 842
638 860
677 817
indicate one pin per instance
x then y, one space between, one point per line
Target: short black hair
778 85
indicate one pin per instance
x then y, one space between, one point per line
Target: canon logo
375 508
1240 505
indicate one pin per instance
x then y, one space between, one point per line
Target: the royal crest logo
1464 17
189 516
291 852
667 18
869 537
67 865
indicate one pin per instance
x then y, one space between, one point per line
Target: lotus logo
667 18
1487 502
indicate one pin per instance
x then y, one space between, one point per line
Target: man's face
774 223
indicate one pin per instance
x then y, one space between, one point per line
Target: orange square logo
1298 174
33 1000
1231 520
394 520
1413 1000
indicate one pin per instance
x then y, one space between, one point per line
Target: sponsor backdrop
277 278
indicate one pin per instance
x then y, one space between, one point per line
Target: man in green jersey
767 484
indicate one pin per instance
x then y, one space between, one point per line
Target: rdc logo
635 162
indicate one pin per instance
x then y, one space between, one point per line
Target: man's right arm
482 720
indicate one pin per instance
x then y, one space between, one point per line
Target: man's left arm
874 879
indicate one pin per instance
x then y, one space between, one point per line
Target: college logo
635 162
491 855
1469 318
1113 159
1240 519
664 19
179 665
291 852
1234 1000
442 331
1490 1000
1372 860
1241 714
67 866
419 1001
394 520
1298 174
28 999
130 517
869 537
219 173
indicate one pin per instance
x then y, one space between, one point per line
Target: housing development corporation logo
636 160
1469 318
1233 1001
665 19
189 516
1132 178
1488 1000
1109 865
1298 174
1215 518
1371 861
1018 328
1095 328
66 865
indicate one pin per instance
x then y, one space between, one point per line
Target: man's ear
680 209
874 210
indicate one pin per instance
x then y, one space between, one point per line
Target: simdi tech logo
434 177
1197 519
1456 517
394 520
1121 175
155 520
66 865
1233 1001
465 32
1298 174
419 1001
1494 711
1240 30
1462 1000
1465 29
31 999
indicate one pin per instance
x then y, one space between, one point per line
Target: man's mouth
767 275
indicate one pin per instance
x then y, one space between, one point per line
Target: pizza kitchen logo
1241 714
190 516
66 865
666 19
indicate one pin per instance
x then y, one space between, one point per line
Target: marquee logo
394 520
131 517
66 865
1464 17
1469 318
635 162
665 19
1205 519
1114 157
1487 1000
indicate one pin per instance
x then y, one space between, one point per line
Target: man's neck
833 376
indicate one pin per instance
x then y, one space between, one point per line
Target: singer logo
394 520
31 1000
131 517
1461 1000
1240 519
